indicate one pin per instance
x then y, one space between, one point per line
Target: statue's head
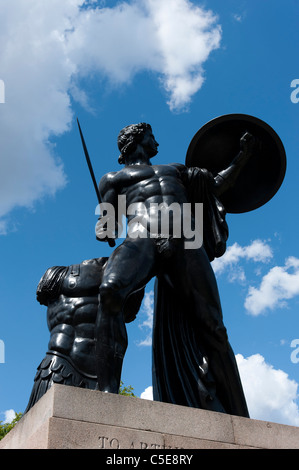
129 137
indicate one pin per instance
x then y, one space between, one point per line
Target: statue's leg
129 268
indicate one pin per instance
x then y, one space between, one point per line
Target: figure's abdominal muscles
74 336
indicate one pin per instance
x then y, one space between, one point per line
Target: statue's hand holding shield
230 138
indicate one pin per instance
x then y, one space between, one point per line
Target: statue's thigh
131 265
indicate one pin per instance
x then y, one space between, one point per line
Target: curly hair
129 137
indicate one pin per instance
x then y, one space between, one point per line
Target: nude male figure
145 254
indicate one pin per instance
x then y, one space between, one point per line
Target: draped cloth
190 367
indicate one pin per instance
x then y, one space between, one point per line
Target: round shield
217 143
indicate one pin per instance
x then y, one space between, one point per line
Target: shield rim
190 155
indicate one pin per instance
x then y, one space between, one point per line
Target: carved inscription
114 443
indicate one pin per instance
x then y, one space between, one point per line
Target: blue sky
175 64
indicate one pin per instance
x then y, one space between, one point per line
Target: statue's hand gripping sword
110 241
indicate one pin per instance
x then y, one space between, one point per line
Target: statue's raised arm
227 178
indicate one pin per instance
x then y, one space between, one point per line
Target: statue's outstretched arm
227 177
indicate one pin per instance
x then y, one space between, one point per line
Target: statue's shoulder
178 166
109 176
107 181
181 170
50 284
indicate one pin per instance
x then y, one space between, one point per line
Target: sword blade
89 163
111 242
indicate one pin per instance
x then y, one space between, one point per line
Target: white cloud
147 394
173 39
147 309
270 394
280 284
47 46
36 73
185 37
257 251
239 17
9 416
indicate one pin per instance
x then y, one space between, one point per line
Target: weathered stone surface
74 418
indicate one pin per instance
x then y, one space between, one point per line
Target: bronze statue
193 363
235 163
185 275
70 294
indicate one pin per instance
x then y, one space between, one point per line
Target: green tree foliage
6 427
127 391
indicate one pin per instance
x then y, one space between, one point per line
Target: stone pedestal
74 418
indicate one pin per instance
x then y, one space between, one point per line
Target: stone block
74 418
